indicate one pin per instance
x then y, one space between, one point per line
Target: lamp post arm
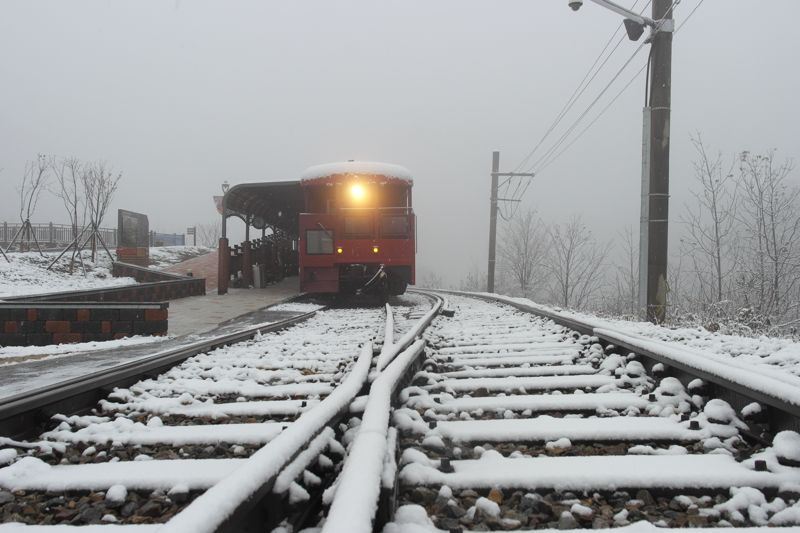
627 13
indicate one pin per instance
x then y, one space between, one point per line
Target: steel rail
783 413
240 502
21 414
357 505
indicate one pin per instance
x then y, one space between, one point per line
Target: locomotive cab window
319 241
358 226
394 226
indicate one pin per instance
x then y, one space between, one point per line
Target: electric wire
579 90
586 111
610 103
689 16
548 158
508 209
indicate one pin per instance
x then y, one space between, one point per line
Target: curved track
240 436
501 417
516 422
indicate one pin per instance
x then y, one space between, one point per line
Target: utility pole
494 204
493 222
654 241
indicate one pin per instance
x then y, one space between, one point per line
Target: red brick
66 338
105 326
83 315
57 326
32 315
120 335
10 327
155 314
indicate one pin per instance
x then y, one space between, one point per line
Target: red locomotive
357 234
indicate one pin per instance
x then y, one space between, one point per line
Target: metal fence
60 235
167 239
52 235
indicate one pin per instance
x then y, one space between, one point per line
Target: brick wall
35 324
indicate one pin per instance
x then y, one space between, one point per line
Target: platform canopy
275 204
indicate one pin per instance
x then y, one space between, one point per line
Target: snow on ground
27 272
296 307
164 256
13 354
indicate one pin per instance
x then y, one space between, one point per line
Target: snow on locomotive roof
355 168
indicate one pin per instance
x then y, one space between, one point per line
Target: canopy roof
274 204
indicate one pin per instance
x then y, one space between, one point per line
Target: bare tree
575 263
209 234
34 181
626 275
474 282
770 216
711 243
432 280
523 246
100 183
69 172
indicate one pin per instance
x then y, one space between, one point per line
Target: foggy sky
181 96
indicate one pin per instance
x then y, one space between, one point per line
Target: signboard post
133 241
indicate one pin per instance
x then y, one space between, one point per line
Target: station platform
197 314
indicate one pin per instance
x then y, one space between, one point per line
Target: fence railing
51 235
59 235
167 239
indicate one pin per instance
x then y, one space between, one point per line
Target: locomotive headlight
357 191
375 250
339 250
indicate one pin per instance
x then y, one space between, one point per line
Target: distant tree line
737 267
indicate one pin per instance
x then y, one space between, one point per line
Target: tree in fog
575 263
710 243
209 234
430 279
523 246
34 181
100 182
68 172
625 299
475 281
769 212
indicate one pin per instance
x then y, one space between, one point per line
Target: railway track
240 436
502 417
515 422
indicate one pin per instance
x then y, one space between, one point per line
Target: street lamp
634 22
225 187
653 234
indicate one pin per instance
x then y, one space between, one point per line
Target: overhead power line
555 150
587 79
586 111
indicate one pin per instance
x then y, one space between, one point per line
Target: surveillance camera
575 4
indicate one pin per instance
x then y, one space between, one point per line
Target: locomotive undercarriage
373 279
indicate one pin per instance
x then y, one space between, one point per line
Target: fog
180 96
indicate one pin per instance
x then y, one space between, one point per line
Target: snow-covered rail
736 383
244 436
518 423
